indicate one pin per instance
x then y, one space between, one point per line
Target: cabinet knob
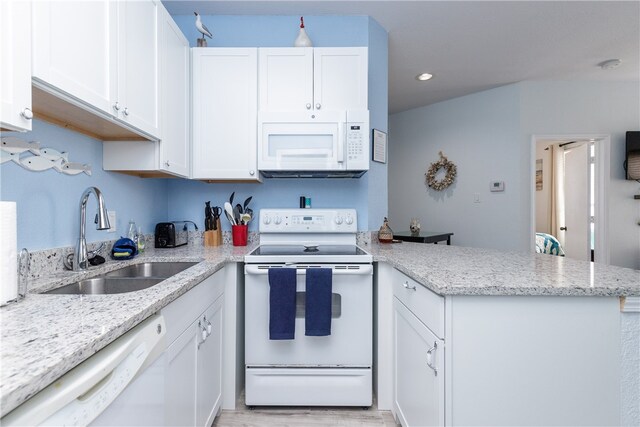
318 106
27 113
252 173
563 228
125 111
406 286
116 106
308 106
209 326
167 163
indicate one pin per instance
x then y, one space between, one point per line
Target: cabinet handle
203 333
27 113
318 106
308 106
252 173
563 228
430 358
116 106
125 111
406 286
167 163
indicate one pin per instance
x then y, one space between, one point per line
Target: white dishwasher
119 385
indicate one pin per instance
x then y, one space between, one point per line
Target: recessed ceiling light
609 64
424 77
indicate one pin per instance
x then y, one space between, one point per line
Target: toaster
168 237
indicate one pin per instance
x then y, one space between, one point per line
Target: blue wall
367 194
48 202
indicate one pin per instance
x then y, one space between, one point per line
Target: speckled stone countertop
44 336
456 270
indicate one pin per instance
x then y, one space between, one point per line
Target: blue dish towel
282 303
318 302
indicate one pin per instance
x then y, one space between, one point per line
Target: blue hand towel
318 302
282 303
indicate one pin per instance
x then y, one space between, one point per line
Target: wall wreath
448 179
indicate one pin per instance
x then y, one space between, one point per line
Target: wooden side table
424 237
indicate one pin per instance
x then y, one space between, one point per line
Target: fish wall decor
41 159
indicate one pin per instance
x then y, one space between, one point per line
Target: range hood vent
312 174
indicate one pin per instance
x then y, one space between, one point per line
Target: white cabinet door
340 79
138 64
286 79
15 51
209 371
418 389
181 359
174 97
224 113
74 49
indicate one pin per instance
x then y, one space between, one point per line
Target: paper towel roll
633 165
8 252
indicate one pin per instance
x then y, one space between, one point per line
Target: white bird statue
201 27
303 39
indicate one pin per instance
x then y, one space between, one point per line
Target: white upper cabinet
101 54
224 113
138 64
286 79
74 49
294 79
174 97
15 51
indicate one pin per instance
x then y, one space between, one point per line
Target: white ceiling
472 46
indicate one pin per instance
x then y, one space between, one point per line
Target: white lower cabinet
193 359
501 360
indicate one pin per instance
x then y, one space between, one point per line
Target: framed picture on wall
379 150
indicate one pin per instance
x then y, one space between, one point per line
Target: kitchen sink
126 279
106 285
151 269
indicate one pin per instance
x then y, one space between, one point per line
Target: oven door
350 342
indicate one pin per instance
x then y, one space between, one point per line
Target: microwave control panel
357 143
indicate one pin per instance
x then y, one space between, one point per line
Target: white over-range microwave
313 144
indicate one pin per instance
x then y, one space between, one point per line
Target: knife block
213 237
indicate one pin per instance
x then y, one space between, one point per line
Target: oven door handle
353 269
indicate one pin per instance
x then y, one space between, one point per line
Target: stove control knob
266 220
277 220
338 220
349 220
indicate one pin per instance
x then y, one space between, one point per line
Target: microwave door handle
342 134
304 152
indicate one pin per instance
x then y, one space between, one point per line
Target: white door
418 390
15 51
209 372
286 79
340 78
224 113
138 64
575 229
174 99
181 359
74 49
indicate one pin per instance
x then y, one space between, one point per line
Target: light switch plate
112 221
497 186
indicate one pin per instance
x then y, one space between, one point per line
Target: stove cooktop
302 253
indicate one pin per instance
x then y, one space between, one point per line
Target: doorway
569 198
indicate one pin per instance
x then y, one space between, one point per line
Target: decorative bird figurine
303 39
201 27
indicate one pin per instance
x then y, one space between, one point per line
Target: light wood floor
264 416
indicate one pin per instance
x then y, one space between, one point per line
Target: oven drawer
308 387
426 305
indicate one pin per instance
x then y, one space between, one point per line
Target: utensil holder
239 235
213 237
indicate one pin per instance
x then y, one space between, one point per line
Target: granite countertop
44 336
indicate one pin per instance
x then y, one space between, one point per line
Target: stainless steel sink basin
106 285
151 269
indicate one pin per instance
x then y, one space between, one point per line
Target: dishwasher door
97 390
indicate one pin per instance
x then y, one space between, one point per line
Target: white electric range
333 370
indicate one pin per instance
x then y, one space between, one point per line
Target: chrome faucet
80 256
